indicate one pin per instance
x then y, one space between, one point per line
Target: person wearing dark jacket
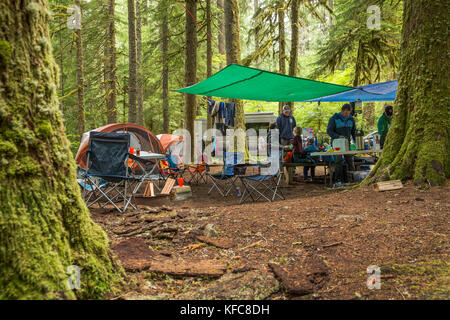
342 125
286 124
384 123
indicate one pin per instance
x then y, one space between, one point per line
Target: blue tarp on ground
384 91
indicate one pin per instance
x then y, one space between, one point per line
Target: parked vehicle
369 139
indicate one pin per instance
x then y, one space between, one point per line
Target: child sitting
309 148
297 145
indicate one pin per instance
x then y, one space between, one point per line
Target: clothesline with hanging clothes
222 112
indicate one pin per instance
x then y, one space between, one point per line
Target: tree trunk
165 69
140 92
255 9
282 46
233 50
80 81
209 55
110 61
417 145
61 72
132 116
330 4
368 116
293 62
44 225
190 74
221 31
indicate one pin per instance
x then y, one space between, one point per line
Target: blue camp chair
225 181
264 185
108 178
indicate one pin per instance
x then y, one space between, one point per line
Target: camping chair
108 178
197 172
171 167
264 185
225 181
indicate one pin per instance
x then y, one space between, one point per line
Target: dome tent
171 142
140 138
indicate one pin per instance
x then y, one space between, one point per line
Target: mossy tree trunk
132 114
44 224
190 71
417 144
110 64
368 116
282 46
165 67
80 80
233 51
295 29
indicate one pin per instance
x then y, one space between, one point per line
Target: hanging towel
230 113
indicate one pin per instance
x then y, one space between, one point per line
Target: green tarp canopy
239 82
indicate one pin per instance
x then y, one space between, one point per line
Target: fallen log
174 267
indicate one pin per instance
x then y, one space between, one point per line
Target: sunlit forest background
334 45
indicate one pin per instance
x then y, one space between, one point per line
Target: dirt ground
316 244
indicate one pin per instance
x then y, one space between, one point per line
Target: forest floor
317 244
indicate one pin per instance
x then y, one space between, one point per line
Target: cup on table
131 150
180 182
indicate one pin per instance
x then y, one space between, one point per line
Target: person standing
384 124
286 124
342 125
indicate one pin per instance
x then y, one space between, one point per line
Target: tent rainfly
239 82
383 91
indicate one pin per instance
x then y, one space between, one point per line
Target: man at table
384 123
286 124
342 125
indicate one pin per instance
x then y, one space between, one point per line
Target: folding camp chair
264 185
108 179
197 172
225 181
171 167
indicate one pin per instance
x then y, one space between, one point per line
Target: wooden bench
291 165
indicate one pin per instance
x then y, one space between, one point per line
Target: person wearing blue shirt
310 148
342 125
286 124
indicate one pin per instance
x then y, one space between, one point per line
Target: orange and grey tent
167 140
141 138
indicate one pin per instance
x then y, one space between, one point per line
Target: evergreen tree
417 145
45 226
132 76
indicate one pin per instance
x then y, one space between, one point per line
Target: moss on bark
44 225
417 145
